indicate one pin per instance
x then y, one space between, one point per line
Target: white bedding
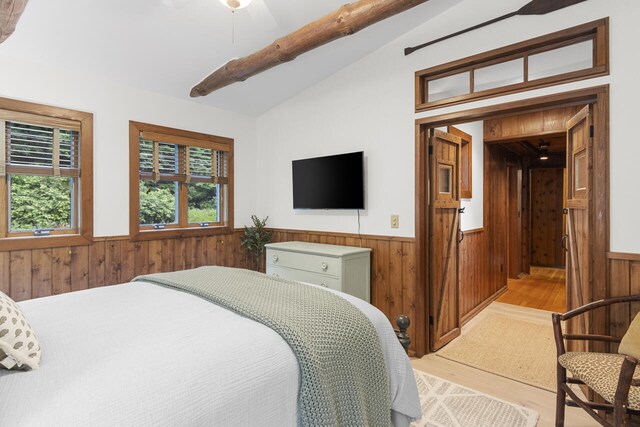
138 354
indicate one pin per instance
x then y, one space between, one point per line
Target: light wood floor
535 398
544 289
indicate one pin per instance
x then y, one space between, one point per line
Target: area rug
515 348
445 404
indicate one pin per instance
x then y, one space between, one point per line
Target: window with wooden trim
466 161
576 53
45 176
181 182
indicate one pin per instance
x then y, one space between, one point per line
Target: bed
140 354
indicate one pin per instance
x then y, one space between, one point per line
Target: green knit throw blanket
343 378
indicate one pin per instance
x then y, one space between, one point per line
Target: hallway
544 289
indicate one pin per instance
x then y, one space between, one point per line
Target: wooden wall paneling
377 291
526 216
231 253
600 212
166 255
79 268
190 253
61 270
41 273
155 256
112 262
514 219
413 303
221 251
547 219
20 270
396 282
179 254
212 250
201 251
529 124
624 279
5 273
619 317
97 254
495 215
127 261
634 287
141 258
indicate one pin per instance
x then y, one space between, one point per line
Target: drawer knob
324 266
275 258
324 285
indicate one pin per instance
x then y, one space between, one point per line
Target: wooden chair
611 376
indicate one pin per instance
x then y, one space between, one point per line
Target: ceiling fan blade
261 16
542 7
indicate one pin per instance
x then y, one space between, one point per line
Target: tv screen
331 182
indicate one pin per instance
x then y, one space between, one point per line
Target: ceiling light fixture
235 5
544 147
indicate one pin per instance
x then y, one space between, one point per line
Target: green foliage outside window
40 202
158 203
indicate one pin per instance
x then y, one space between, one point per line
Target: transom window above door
573 54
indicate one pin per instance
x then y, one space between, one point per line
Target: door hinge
591 131
431 320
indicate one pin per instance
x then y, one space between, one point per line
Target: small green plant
256 236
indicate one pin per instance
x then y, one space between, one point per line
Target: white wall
369 106
113 105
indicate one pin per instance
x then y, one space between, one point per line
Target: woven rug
445 404
515 348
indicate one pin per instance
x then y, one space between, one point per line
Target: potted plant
254 239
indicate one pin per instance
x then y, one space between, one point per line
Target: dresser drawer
305 276
301 261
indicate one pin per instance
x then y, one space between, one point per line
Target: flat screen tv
331 182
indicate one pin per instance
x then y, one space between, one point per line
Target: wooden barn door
579 182
444 224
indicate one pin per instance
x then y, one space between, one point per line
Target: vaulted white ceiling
167 46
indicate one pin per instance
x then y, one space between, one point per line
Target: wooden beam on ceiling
532 151
10 13
344 21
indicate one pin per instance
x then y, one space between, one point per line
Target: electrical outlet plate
395 221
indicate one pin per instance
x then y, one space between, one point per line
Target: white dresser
343 268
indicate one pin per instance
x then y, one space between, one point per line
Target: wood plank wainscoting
476 291
27 274
624 279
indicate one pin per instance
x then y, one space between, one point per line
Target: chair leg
561 396
619 415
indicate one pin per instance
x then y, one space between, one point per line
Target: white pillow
19 348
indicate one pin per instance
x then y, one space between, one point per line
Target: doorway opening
534 153
463 267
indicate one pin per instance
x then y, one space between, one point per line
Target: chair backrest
630 344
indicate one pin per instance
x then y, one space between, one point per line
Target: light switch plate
395 221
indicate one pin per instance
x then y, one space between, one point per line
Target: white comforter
138 354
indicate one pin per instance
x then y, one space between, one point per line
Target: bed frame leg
403 323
